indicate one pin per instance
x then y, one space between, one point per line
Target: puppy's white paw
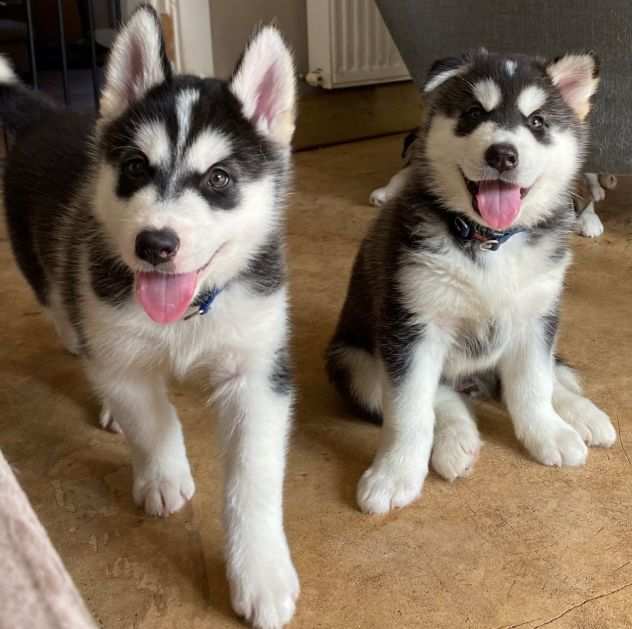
455 450
264 586
592 424
597 192
589 224
378 197
386 486
107 421
556 445
163 489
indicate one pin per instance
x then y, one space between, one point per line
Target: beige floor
514 545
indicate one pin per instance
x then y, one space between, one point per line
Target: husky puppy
462 273
153 236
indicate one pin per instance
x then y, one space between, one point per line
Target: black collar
465 230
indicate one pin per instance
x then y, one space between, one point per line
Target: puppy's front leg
138 403
255 412
412 372
526 372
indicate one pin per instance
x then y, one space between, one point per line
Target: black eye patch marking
219 185
216 179
135 166
472 115
536 121
135 171
538 124
252 157
457 97
475 112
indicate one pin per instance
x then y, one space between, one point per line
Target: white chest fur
478 305
237 330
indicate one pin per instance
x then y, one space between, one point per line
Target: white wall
194 45
192 25
213 33
233 21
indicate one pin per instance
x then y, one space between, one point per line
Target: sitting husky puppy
130 229
462 273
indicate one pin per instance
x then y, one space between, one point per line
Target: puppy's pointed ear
442 70
577 78
265 84
138 61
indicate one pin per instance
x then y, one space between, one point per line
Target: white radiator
349 44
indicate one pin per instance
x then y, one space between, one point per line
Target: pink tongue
165 297
498 202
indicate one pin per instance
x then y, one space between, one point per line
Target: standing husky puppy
462 275
131 229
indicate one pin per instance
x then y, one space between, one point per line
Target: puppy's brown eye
218 179
474 112
536 121
135 167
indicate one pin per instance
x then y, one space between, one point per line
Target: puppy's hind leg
592 424
358 376
456 439
138 400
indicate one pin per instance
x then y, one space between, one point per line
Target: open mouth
498 202
165 297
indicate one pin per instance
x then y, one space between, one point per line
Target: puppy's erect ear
137 63
265 84
445 69
576 77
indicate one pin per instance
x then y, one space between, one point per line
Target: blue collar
464 230
204 301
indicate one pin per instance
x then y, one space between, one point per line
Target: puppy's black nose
157 245
502 157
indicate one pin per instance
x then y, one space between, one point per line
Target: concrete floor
515 545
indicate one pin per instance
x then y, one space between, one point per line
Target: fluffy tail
20 107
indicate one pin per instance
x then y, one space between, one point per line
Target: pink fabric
36 592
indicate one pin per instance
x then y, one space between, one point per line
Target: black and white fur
587 223
78 191
427 312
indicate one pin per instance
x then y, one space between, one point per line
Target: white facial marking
545 169
152 139
488 94
443 77
207 149
184 106
510 67
531 99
